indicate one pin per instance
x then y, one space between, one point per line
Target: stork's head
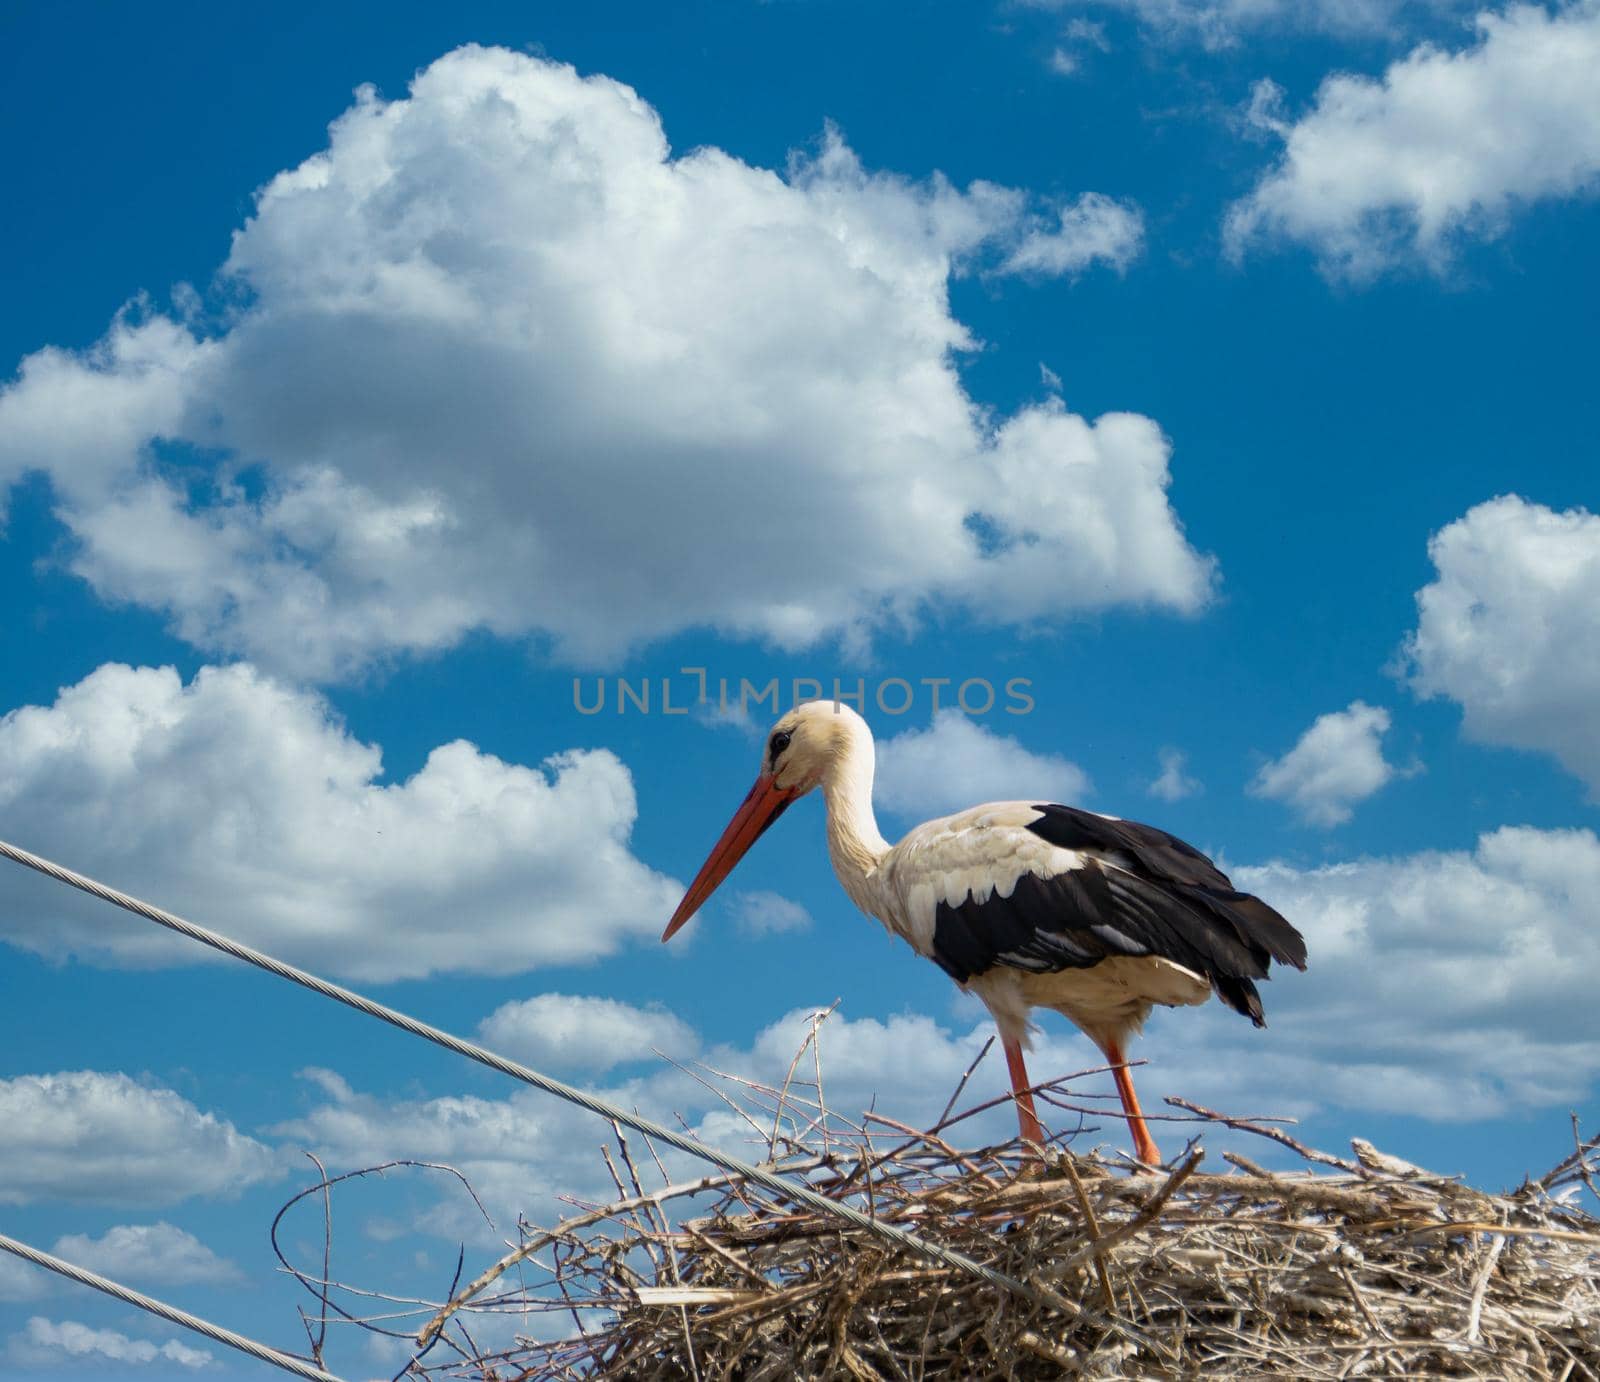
808 745
804 749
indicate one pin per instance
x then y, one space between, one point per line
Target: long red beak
764 804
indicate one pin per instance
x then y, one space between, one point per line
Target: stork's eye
777 744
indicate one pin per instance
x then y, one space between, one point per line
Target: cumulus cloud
1510 629
768 914
101 1137
1173 783
522 1148
562 1031
158 1252
20 1281
1335 764
55 1343
1443 147
236 799
517 1151
496 330
956 762
1093 229
1448 984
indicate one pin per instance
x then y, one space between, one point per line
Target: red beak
765 803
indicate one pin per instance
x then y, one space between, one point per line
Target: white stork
1028 905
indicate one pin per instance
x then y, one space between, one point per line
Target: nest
1327 1267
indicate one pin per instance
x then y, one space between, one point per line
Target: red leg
1144 1146
1021 1089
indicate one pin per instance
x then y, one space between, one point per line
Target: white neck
854 843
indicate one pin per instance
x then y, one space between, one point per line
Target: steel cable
84 1277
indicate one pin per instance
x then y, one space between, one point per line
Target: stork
1025 904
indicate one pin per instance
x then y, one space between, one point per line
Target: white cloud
768 914
1221 24
158 1252
905 1066
1510 629
864 1059
496 331
59 1343
21 1281
237 801
86 1135
1450 985
1335 764
517 1151
522 1149
956 762
1093 229
1078 36
1088 32
1173 783
568 1032
1444 147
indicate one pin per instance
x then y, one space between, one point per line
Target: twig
324 1185
1579 1154
1099 1247
327 1256
961 1084
498 1269
1261 1130
419 1354
1480 1287
817 1019
1102 1267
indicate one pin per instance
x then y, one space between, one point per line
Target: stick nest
1327 1267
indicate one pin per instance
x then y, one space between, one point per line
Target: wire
788 1189
287 1361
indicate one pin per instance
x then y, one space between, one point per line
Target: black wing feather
1163 897
1168 861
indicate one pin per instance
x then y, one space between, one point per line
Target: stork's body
1027 905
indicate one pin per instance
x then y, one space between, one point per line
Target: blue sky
1224 371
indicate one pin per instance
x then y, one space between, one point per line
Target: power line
779 1185
84 1277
